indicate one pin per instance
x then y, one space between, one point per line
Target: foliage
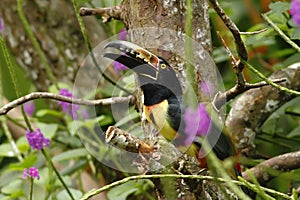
279 134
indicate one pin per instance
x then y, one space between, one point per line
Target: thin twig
241 48
57 174
223 97
241 85
107 14
47 95
94 192
237 65
281 33
263 77
253 32
10 139
234 61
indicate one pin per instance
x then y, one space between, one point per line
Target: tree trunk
58 34
160 27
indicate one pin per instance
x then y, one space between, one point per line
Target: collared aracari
163 102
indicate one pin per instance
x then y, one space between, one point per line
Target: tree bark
252 108
160 27
55 26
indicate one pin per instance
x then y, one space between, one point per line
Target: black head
156 77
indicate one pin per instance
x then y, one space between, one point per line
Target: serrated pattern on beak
148 57
136 52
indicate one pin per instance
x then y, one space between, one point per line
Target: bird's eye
163 66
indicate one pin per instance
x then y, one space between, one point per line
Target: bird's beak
134 57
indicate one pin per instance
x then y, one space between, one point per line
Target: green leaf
280 20
283 52
296 34
106 120
6 150
139 187
264 38
23 145
294 109
294 133
72 154
69 170
2 197
73 126
54 90
121 192
63 195
8 176
271 124
127 118
23 82
13 188
17 193
279 7
220 55
292 59
28 161
103 120
286 123
44 112
65 138
48 130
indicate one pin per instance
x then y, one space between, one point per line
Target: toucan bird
164 106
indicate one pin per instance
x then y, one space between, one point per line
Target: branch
241 85
253 32
260 75
125 141
154 157
281 33
285 162
47 95
223 97
94 192
241 49
253 107
107 14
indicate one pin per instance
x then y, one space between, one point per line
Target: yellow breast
157 115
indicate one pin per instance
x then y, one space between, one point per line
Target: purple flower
122 34
196 123
119 67
67 107
32 173
1 24
73 111
85 114
29 108
36 139
295 11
